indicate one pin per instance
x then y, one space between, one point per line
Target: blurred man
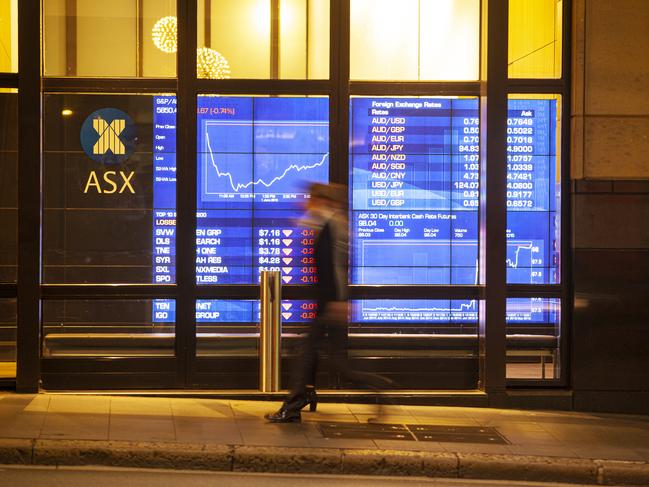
327 215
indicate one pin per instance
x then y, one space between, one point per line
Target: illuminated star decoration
165 34
211 64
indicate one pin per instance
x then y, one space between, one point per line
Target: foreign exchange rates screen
415 195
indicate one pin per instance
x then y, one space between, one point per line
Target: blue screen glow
414 187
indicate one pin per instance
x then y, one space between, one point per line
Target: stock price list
533 192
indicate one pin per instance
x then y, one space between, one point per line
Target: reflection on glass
419 343
105 328
109 189
535 38
415 39
415 190
533 338
8 185
7 338
9 36
113 39
533 190
257 42
229 327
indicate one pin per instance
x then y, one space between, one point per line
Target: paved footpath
222 435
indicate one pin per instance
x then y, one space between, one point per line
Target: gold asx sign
108 137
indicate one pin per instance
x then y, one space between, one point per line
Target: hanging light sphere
211 64
165 34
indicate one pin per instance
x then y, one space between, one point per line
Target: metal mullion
523 290
103 364
98 291
417 88
274 40
227 292
566 230
339 68
186 191
273 87
493 210
109 85
334 75
356 292
537 85
533 383
29 198
9 80
415 292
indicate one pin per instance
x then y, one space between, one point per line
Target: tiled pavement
210 421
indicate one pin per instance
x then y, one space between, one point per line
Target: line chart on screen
441 254
270 168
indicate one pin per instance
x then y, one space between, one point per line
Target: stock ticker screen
414 197
256 157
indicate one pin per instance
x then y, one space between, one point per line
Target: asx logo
108 136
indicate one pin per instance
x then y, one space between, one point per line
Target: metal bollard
270 331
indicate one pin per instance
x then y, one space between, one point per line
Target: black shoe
284 416
296 402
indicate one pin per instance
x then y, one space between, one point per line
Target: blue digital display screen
414 311
414 186
164 189
534 311
415 191
234 311
533 193
256 157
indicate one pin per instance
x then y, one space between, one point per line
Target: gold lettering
110 181
92 181
127 183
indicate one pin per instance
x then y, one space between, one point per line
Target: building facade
155 158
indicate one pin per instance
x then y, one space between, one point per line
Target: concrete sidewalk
213 434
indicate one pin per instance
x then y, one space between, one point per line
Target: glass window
9 36
248 39
256 157
533 338
121 38
414 190
535 38
7 338
227 328
100 328
109 185
417 342
415 40
534 189
8 184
